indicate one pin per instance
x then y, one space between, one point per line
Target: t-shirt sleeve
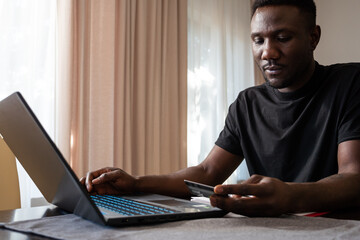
349 128
229 138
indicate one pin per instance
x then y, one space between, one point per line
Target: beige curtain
121 84
258 76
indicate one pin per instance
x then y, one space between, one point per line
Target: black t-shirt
295 136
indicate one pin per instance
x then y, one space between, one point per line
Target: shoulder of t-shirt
340 67
251 91
343 75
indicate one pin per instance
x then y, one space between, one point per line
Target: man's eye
258 40
284 39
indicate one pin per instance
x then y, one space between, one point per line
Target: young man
299 132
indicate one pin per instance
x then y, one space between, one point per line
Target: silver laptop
60 186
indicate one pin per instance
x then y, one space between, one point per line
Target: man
299 132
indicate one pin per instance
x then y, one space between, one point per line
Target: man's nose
270 51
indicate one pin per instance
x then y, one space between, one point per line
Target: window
220 65
27 64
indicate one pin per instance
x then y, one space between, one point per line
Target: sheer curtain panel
121 98
220 65
27 65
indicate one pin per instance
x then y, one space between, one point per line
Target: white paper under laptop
60 186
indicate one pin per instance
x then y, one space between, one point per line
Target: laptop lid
55 179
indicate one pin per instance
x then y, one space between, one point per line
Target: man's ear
315 37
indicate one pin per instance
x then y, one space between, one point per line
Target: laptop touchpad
186 206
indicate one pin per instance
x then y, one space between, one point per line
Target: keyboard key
126 206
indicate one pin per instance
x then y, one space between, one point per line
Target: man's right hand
109 181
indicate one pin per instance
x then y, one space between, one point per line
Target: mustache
271 64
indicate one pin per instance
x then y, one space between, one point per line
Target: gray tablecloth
229 227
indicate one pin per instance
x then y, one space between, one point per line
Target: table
22 214
50 210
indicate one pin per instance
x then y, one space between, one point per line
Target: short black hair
306 6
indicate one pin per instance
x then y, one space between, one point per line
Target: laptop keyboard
127 207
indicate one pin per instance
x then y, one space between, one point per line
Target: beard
289 78
278 84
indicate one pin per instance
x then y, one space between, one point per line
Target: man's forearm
215 169
171 184
334 192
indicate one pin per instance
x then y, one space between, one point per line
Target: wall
340 24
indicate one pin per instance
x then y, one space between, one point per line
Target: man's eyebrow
282 30
255 34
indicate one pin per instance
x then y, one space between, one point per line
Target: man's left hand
257 196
